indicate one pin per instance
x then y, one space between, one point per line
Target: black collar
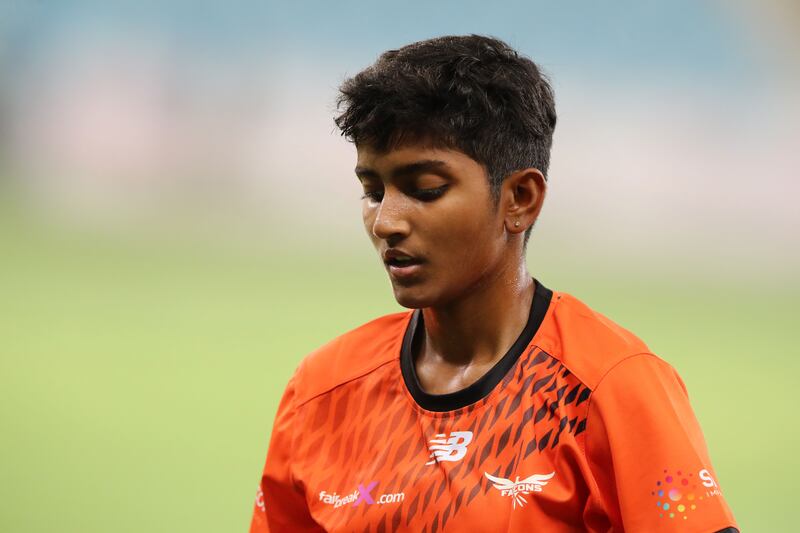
481 388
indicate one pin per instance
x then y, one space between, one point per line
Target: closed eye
424 195
429 195
374 196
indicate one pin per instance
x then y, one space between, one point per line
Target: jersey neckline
486 383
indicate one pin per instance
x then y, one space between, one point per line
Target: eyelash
424 195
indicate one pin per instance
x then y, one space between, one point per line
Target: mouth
402 267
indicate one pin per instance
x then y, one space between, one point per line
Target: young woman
495 404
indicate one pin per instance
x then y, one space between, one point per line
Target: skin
473 285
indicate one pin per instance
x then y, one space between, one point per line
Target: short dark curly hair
471 93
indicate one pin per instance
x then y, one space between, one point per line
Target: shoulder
350 356
587 342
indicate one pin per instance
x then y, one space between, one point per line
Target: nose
391 221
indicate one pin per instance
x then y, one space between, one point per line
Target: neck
481 326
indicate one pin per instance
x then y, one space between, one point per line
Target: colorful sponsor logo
679 493
361 495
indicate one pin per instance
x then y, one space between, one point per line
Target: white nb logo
517 489
453 448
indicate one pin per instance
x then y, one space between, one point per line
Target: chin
413 297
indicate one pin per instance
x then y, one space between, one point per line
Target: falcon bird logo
519 488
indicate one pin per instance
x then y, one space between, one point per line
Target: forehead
385 161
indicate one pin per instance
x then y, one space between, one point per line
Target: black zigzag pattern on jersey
546 405
555 413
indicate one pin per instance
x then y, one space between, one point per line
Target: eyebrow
410 169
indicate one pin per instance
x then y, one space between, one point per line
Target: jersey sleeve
280 500
647 453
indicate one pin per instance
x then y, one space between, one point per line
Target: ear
522 196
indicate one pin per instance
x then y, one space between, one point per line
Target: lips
402 266
399 258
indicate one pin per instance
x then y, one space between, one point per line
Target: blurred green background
180 225
139 379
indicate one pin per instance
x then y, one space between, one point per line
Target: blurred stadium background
180 224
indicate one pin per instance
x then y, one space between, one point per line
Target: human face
431 217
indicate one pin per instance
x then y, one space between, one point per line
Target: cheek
467 237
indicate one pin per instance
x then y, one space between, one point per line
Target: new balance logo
453 448
519 488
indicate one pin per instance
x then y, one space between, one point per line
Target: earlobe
514 225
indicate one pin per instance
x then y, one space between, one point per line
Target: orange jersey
577 428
